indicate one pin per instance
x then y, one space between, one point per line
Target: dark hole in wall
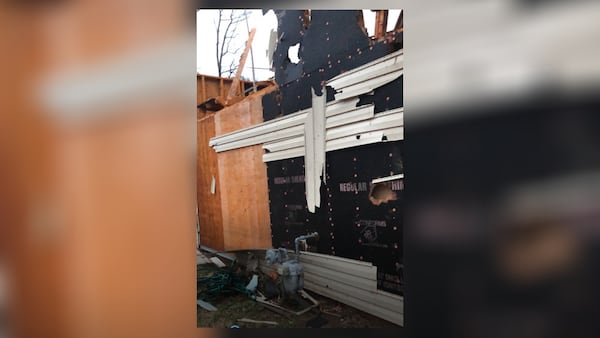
381 193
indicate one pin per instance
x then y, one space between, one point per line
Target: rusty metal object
306 18
381 18
361 22
400 22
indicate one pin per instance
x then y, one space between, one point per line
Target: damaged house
313 162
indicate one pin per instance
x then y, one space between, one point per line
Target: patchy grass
236 306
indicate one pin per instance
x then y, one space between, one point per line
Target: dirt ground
236 306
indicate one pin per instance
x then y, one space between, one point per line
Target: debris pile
274 280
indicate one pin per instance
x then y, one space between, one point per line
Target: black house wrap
349 222
332 44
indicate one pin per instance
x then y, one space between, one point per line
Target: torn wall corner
333 43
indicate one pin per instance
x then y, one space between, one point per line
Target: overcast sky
206 40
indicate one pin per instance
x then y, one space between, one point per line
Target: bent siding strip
351 282
283 137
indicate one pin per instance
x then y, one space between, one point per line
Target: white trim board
314 154
369 76
388 178
384 127
383 121
333 108
386 135
289 126
340 112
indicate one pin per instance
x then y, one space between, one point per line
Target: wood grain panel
209 205
243 180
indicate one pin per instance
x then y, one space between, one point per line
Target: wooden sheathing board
209 203
243 180
208 87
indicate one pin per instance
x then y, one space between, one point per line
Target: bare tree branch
232 67
217 49
227 48
225 39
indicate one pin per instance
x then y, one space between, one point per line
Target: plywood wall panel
243 180
209 205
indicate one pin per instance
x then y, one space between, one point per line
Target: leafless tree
226 25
